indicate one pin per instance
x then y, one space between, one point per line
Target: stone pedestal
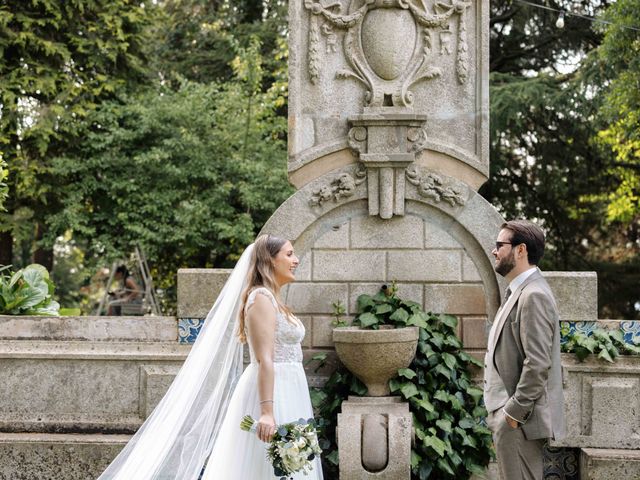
374 439
609 464
602 402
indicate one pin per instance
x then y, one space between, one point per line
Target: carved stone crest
387 43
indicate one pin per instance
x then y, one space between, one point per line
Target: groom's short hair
523 231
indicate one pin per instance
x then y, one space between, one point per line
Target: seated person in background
129 292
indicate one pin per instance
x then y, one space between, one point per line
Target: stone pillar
388 143
374 438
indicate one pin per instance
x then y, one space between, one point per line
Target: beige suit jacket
526 348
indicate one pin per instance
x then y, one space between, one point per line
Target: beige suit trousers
518 458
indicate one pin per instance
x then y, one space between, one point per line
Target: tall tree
58 60
189 175
545 164
200 37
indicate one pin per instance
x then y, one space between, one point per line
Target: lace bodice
288 335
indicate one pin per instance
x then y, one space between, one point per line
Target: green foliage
606 344
451 439
197 39
619 57
28 291
548 94
189 175
59 59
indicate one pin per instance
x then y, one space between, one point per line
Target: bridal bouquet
292 447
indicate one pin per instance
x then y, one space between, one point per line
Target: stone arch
473 225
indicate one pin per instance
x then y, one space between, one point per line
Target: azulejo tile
630 329
561 463
188 329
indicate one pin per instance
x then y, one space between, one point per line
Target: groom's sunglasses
500 244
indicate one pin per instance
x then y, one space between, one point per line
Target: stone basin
374 356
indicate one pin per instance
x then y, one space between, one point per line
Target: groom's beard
507 264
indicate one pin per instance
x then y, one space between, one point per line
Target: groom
522 371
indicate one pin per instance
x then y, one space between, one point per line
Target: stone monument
388 143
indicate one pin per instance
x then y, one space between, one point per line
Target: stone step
609 464
37 456
142 329
58 387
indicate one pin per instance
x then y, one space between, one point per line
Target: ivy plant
606 344
452 441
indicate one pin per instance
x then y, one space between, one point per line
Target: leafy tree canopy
549 163
58 60
190 175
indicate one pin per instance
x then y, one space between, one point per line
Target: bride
199 417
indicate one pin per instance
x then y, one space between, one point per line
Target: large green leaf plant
28 291
452 441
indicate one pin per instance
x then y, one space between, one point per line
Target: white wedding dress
240 455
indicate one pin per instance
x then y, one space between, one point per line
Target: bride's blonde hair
261 274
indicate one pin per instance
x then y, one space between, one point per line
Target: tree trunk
6 248
42 255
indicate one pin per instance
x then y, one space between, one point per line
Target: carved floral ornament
342 186
428 185
387 43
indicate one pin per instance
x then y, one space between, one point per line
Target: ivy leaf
434 442
418 320
409 390
449 320
333 457
449 360
395 384
384 308
358 387
444 465
467 422
442 396
364 302
407 373
425 470
368 319
475 393
415 459
444 425
604 354
424 404
399 316
444 371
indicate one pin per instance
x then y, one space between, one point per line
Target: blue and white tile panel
188 329
630 328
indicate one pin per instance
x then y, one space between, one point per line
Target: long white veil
174 442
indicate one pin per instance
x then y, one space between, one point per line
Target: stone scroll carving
387 43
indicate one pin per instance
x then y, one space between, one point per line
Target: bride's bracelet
266 401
